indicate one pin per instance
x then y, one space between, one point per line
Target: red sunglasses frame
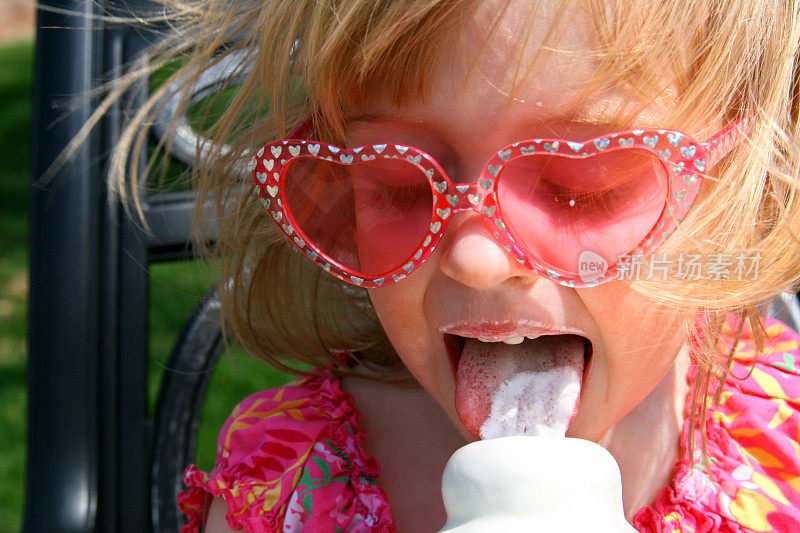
685 160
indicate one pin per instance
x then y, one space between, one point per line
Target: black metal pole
62 476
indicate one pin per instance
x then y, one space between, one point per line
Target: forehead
516 61
515 46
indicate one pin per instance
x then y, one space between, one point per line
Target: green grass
175 289
15 93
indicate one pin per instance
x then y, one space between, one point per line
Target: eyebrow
574 119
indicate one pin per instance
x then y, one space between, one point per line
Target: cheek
640 342
633 325
401 313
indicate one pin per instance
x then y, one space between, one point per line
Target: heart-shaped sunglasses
571 211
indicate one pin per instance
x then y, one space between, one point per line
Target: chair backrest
96 460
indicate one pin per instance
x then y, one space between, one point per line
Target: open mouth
518 385
455 347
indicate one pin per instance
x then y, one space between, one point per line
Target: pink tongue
519 389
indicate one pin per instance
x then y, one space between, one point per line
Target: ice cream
523 484
526 475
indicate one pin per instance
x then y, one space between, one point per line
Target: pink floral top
291 459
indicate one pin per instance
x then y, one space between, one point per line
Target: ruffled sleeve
753 482
290 459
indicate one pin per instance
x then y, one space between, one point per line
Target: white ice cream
525 484
534 403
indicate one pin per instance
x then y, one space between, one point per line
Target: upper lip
498 330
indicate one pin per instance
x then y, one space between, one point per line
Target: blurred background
16 58
175 288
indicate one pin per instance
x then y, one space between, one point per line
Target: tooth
514 340
484 340
532 336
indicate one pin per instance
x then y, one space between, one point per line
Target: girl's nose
471 256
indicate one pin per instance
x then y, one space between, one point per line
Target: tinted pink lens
559 207
369 216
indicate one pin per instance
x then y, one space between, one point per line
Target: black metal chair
96 460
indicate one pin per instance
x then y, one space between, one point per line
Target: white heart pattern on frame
677 168
625 143
601 144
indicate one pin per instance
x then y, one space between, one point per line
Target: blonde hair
728 58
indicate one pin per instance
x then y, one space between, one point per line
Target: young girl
499 180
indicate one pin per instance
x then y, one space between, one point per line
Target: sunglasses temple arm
726 140
302 130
